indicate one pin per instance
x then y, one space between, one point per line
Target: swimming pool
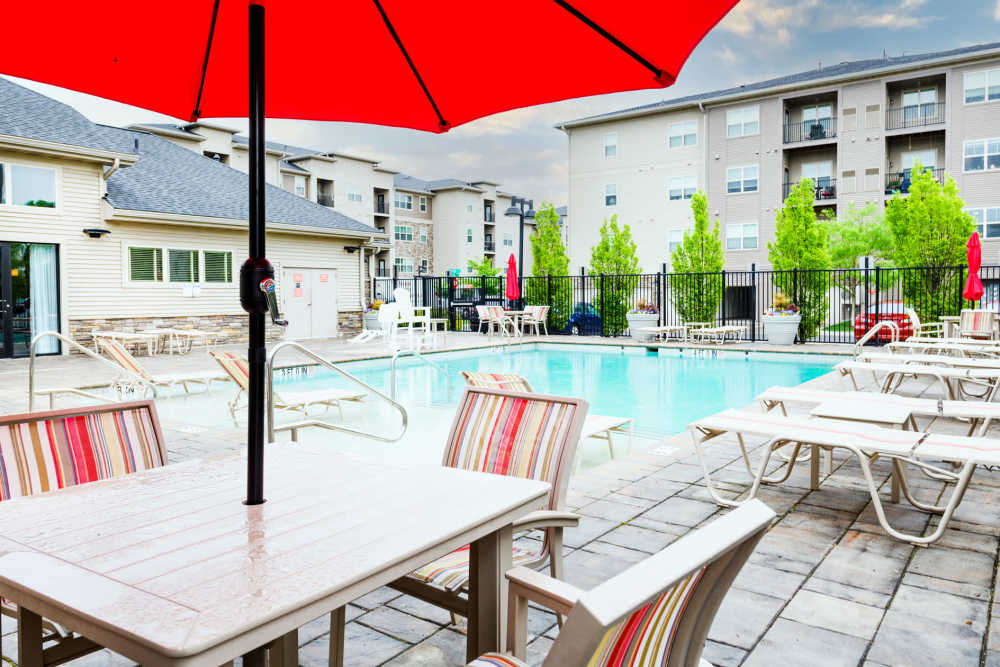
663 390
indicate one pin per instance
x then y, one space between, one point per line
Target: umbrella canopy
388 62
974 255
513 289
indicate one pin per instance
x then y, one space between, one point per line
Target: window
851 118
741 236
819 172
683 187
674 239
926 159
981 154
987 221
508 240
218 266
423 204
145 265
183 266
742 122
611 144
741 179
28 186
611 195
300 186
873 115
848 181
354 195
403 265
403 201
423 266
468 236
982 86
871 179
404 233
919 104
683 134
819 114
468 208
423 236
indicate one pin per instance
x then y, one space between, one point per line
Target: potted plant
781 322
645 314
369 318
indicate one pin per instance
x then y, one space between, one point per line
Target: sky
521 149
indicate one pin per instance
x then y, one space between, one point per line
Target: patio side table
169 567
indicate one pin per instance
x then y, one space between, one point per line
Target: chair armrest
543 589
547 519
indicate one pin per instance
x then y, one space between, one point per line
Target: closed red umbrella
343 61
513 292
974 255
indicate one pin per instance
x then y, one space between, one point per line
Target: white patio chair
925 329
534 317
484 318
657 612
977 323
414 319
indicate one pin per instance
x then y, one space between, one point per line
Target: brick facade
417 249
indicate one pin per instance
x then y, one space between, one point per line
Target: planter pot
370 320
639 320
781 329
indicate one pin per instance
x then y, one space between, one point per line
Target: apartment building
856 129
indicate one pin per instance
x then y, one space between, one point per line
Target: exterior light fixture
96 232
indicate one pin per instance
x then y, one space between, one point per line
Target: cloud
465 159
996 11
780 20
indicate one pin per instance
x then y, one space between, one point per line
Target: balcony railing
915 115
825 189
325 200
489 217
381 209
810 130
900 181
488 246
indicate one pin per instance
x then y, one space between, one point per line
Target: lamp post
523 208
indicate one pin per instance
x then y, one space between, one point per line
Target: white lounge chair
929 359
237 369
117 352
952 379
945 346
867 443
927 329
721 334
665 331
657 612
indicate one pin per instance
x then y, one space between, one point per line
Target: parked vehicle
584 321
892 311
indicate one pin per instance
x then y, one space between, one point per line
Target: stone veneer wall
229 328
415 249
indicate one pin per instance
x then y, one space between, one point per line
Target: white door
297 297
324 303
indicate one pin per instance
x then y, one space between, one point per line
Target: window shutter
183 266
848 181
145 264
850 119
218 266
873 115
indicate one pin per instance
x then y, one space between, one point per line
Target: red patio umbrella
390 62
513 292
974 255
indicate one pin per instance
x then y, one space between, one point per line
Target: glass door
29 298
6 334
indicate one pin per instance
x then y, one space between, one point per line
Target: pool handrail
134 377
416 353
859 346
305 423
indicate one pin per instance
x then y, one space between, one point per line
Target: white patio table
169 567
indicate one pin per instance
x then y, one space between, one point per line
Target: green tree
696 296
486 269
930 229
549 282
858 233
800 251
615 265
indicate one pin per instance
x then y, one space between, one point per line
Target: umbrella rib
662 77
196 114
442 123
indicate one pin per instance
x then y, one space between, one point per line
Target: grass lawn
841 326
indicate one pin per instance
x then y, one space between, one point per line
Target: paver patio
825 587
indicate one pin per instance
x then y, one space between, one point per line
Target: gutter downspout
115 166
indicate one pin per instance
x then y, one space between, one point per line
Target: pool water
662 390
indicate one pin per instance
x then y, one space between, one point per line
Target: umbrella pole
256 267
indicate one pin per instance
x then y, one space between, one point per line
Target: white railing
415 353
881 324
318 423
125 383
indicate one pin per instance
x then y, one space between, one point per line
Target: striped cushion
510 436
976 322
496 660
41 456
124 358
645 637
452 571
236 367
505 381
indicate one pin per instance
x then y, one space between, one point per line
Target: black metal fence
838 305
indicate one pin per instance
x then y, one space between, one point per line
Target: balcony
381 209
899 182
325 200
811 130
914 116
488 246
489 217
825 190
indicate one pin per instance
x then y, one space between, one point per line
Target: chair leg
556 560
337 621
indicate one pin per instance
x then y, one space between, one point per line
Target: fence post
482 290
395 277
753 301
723 288
864 313
961 287
600 289
878 282
451 295
659 297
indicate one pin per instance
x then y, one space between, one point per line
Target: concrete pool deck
825 587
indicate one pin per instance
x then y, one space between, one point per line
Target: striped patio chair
238 370
534 318
657 612
117 352
518 434
50 450
977 324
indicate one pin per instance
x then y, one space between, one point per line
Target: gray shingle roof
179 129
171 179
411 183
288 166
447 183
840 70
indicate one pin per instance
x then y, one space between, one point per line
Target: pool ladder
881 324
415 353
319 423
